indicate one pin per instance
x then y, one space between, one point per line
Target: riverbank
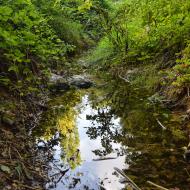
144 116
143 139
21 165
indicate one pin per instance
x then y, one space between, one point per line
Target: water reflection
116 126
80 158
105 128
69 138
154 152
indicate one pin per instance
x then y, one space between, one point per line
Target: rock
54 78
59 86
80 81
59 83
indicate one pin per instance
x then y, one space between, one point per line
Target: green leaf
5 169
5 81
19 170
14 68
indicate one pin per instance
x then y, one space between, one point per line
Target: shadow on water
87 134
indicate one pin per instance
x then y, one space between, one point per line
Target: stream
92 170
89 133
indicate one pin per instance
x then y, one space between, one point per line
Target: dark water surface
89 133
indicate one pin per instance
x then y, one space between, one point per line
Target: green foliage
62 118
102 52
182 69
141 32
39 36
61 18
27 45
143 28
177 79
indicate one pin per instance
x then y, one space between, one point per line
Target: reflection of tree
104 128
66 123
69 142
153 153
60 118
58 107
70 138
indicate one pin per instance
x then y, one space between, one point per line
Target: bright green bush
147 32
38 36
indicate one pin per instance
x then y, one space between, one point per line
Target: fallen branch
188 92
127 178
187 172
158 186
163 127
126 80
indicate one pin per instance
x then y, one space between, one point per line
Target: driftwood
106 158
127 178
158 186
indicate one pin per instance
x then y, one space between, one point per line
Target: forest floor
21 164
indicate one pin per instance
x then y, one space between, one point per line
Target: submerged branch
158 186
127 178
107 158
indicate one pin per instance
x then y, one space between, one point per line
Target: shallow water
91 172
88 133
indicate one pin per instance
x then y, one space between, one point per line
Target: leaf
19 170
14 68
5 169
32 89
85 6
5 81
